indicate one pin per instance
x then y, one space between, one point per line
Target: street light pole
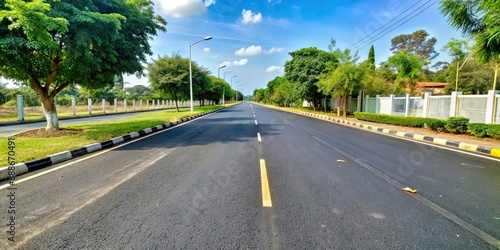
236 91
232 80
459 68
190 70
224 89
218 70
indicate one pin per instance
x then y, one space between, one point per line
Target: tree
170 75
259 95
50 45
415 43
303 72
218 87
475 77
457 49
371 56
138 92
479 20
279 91
345 78
408 68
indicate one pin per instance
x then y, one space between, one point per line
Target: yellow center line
258 137
266 194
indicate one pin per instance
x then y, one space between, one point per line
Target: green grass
9 114
32 148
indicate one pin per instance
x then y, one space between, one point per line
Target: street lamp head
207 38
223 66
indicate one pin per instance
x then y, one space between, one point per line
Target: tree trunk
346 99
176 101
50 113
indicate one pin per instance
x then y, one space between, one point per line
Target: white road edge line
256 122
258 137
469 227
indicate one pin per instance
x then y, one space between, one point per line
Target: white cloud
206 49
274 69
247 16
182 8
275 50
250 51
241 62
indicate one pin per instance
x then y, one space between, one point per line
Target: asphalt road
9 130
205 185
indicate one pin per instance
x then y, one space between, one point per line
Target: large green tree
303 72
50 45
345 78
415 43
479 20
475 77
409 66
169 77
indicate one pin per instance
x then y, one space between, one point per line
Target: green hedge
417 122
481 130
453 124
457 125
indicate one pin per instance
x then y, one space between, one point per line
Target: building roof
431 84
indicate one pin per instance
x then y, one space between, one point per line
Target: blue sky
254 37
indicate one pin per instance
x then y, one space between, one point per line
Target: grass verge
29 148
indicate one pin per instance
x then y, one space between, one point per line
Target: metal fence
439 107
472 107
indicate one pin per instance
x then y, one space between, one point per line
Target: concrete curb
495 152
37 164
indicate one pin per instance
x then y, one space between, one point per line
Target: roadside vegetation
37 144
313 76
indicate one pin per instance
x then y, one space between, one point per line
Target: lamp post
226 73
459 68
236 91
190 70
224 89
232 80
237 87
218 70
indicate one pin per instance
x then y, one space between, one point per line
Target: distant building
436 88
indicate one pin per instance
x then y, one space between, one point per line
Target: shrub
418 122
436 124
477 129
457 125
493 131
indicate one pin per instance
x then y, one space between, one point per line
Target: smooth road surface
250 177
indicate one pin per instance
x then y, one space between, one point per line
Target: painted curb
37 164
495 152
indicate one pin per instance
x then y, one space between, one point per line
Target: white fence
497 110
478 108
115 106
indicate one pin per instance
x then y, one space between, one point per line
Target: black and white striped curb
495 152
25 167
